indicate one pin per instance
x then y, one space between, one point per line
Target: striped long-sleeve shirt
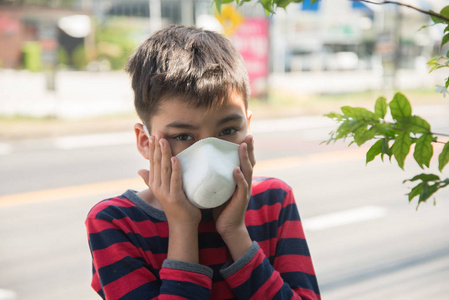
128 240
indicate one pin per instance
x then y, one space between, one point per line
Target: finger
145 175
151 158
156 168
176 176
241 191
249 140
245 163
165 164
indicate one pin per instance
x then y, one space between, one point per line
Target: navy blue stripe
258 277
114 212
119 269
292 246
108 237
267 197
264 231
210 240
101 294
148 290
289 213
301 280
184 289
284 293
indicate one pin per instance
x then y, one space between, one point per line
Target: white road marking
345 217
7 295
94 140
291 124
5 149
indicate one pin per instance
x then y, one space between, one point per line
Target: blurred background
66 133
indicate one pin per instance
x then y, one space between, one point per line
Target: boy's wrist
238 242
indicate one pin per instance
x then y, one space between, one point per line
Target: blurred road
366 241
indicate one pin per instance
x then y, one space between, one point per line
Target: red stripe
294 263
207 227
214 256
96 283
241 276
171 297
267 213
127 283
114 253
268 246
96 225
291 230
181 275
220 290
269 288
306 294
145 228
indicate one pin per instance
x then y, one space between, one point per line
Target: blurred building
325 36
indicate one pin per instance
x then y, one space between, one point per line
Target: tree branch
429 13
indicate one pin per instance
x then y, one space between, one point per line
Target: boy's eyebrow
230 118
179 124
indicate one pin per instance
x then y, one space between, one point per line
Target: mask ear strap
146 130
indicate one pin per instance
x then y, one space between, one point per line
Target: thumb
145 175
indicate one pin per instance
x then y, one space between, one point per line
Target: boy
191 84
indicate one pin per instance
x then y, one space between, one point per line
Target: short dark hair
199 66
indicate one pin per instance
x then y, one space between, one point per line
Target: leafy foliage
394 139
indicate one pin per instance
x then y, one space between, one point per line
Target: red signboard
252 41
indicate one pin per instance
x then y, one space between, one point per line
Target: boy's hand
165 181
230 217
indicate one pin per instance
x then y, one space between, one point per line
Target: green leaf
417 190
436 20
413 124
380 108
375 150
283 3
268 6
445 11
443 158
362 135
400 106
401 148
423 150
425 177
218 6
332 115
359 113
386 149
445 40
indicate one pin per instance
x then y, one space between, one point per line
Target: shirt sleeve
290 275
121 272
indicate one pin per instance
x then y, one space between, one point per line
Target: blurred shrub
79 57
32 52
114 42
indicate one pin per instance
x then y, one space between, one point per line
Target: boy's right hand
165 181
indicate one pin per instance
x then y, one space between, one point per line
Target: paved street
366 240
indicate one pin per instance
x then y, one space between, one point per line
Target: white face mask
207 171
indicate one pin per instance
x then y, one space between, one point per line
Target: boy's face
183 124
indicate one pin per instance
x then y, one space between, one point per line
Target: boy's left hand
230 217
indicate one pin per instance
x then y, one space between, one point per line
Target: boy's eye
183 137
228 131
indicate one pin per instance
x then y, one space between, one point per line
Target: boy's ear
250 115
142 140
